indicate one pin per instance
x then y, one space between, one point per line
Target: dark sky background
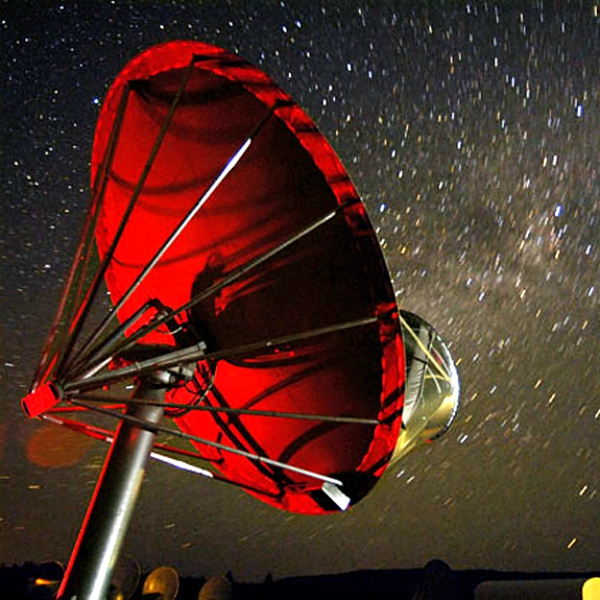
472 131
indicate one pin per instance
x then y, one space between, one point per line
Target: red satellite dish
241 264
228 263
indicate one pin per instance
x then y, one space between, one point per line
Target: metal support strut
96 550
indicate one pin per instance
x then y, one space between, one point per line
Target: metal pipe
198 352
99 276
258 458
232 410
102 533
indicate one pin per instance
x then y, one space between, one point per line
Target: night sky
472 132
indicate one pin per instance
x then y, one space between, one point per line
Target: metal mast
102 533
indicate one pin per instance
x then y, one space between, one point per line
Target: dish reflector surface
221 214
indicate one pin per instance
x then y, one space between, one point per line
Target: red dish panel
287 179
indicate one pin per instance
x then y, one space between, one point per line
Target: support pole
103 530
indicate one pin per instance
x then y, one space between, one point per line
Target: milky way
471 130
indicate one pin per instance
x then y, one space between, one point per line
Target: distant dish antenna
161 584
228 282
217 587
125 578
45 579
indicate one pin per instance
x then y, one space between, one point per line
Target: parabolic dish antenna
44 580
125 578
218 587
161 584
228 271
